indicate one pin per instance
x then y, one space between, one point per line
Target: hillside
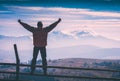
73 62
85 63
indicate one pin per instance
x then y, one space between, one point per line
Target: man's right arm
26 26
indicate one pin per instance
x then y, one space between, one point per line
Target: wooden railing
18 65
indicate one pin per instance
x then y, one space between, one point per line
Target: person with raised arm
40 34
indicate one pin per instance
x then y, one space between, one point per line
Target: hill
85 63
73 62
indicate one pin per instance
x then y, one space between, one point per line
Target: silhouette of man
39 41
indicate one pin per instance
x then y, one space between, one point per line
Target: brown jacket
39 35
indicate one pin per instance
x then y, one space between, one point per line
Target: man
40 42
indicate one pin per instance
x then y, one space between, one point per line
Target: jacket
39 35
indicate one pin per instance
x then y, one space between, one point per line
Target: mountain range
63 44
70 37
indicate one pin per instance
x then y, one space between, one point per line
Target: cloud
5 11
65 12
102 23
96 13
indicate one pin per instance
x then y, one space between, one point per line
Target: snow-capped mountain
78 36
78 33
63 38
74 33
59 35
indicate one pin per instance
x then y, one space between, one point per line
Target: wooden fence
18 65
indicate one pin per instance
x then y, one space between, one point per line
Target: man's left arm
52 26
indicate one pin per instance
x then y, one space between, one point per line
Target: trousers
43 56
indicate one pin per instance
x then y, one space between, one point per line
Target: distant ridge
11 37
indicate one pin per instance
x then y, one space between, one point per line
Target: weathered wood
14 80
65 76
61 67
17 62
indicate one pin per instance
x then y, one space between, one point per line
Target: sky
101 18
103 22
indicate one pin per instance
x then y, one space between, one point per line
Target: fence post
17 62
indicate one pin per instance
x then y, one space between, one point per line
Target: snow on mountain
78 33
58 34
77 36
75 33
63 38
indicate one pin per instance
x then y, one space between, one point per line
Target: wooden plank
65 76
17 62
14 80
61 67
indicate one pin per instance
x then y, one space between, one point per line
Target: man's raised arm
50 27
26 26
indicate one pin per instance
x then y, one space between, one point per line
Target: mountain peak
79 32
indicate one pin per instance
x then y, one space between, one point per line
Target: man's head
39 25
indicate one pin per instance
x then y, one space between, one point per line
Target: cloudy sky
102 21
99 17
